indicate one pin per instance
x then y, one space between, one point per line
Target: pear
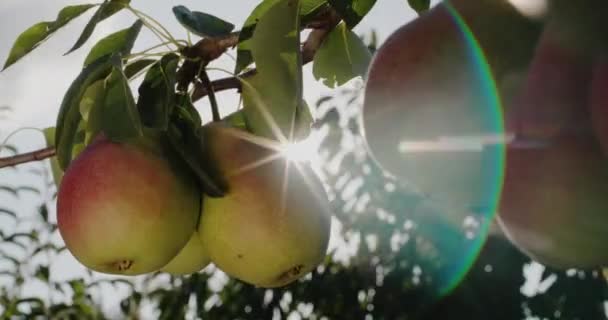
273 225
126 208
553 206
191 259
599 99
428 114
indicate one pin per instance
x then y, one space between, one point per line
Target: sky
34 87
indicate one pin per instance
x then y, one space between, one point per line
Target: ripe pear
191 259
273 225
427 113
599 99
126 208
553 205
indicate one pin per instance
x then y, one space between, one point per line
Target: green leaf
270 98
29 189
43 210
119 42
125 282
12 240
79 139
119 119
157 93
419 6
310 9
10 148
33 236
13 191
69 117
78 286
244 58
32 301
236 120
132 69
310 6
353 57
106 10
243 54
62 311
8 212
186 108
12 259
184 138
91 108
202 24
113 282
42 273
92 96
34 36
47 247
352 11
304 121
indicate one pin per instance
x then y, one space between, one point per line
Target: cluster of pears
431 86
131 208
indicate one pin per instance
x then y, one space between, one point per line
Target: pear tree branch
309 48
206 50
37 155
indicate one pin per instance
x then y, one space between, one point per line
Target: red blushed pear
126 208
599 100
553 205
426 105
273 225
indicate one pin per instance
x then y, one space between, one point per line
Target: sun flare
306 150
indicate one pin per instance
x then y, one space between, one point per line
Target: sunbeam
306 150
302 154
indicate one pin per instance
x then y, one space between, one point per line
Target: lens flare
306 150
433 119
495 149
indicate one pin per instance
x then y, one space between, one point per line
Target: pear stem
211 94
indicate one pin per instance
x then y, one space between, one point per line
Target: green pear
126 208
191 259
273 225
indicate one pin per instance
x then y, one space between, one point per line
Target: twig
37 155
207 84
208 49
200 91
309 48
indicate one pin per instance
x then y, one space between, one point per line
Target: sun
306 150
